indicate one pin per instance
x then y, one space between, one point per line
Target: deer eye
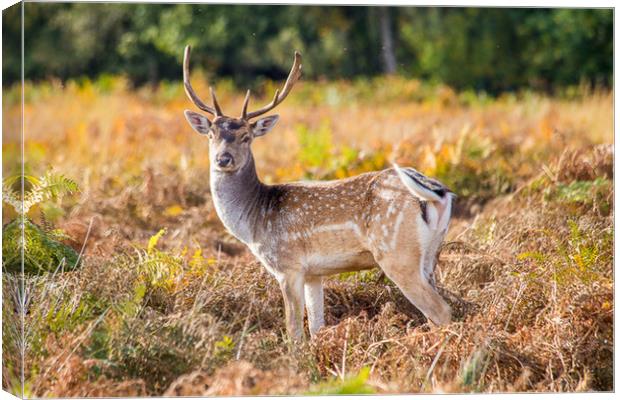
245 139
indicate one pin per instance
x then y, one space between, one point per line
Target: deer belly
333 248
336 261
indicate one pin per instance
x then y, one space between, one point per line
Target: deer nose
224 160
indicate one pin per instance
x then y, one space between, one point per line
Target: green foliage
67 314
364 276
132 343
154 352
320 158
581 251
42 250
36 190
473 168
150 248
494 49
474 368
355 384
484 49
123 315
159 268
19 390
224 349
131 307
583 193
577 257
316 145
571 43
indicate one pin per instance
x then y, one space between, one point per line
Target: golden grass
527 264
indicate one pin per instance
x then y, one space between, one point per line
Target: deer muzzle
225 160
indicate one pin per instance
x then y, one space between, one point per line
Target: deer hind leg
292 286
410 277
409 264
313 291
432 255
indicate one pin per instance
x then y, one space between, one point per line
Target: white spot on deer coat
349 225
390 209
387 194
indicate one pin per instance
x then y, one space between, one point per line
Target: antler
293 77
215 110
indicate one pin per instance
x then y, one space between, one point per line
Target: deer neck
237 197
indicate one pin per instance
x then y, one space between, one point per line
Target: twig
549 174
243 332
514 304
344 351
90 225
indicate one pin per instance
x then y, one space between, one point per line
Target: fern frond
49 186
45 223
56 185
11 197
42 252
13 179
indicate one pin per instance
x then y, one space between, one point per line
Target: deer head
229 137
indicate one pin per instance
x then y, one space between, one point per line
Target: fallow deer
393 219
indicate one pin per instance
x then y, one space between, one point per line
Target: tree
387 42
490 49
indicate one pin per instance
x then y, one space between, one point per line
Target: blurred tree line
490 49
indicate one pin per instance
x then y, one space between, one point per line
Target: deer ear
264 125
199 122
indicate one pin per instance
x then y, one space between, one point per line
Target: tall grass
167 302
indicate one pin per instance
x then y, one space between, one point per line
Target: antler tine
218 110
293 77
244 110
188 87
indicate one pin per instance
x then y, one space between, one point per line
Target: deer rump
426 189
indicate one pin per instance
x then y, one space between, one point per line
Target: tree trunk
387 42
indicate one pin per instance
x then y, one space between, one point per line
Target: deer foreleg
313 291
292 287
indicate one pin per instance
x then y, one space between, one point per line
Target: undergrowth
40 247
165 302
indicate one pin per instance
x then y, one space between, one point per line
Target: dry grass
527 265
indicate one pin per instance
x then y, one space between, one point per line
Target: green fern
356 384
159 268
42 253
49 186
41 248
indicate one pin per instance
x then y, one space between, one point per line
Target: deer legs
298 290
292 287
313 292
414 284
427 300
